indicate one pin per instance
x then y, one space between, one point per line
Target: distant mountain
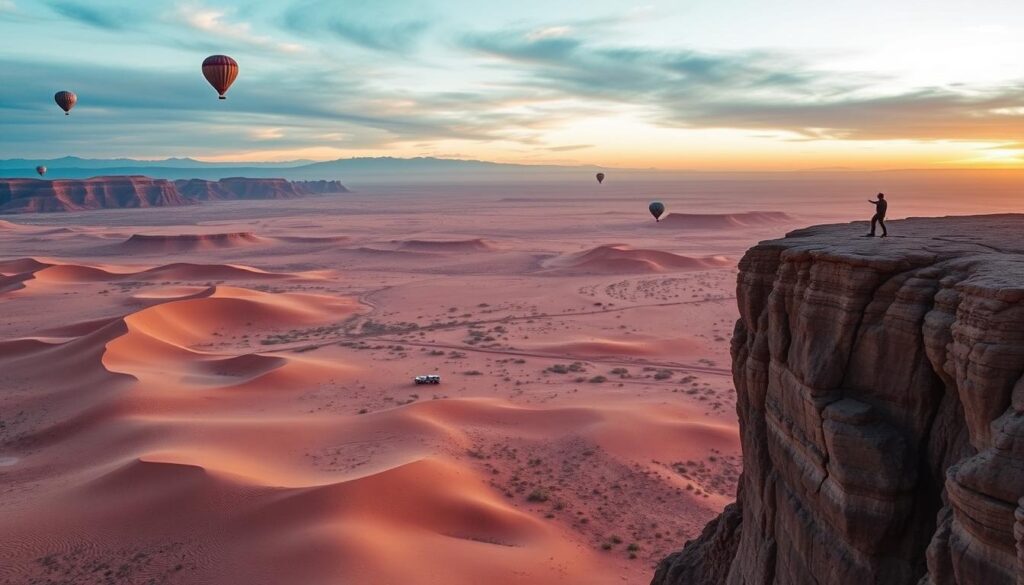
74 162
358 170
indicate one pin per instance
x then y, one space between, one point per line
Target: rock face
32 195
881 403
242 188
114 192
321 187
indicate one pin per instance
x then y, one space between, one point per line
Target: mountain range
359 170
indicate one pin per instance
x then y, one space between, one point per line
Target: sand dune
77 329
229 310
56 272
11 226
312 239
679 348
622 259
21 265
169 244
712 221
168 337
177 429
174 293
473 245
188 271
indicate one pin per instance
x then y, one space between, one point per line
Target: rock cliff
321 187
34 195
881 402
242 188
115 192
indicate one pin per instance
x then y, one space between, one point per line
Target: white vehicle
428 379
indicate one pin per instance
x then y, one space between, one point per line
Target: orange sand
232 403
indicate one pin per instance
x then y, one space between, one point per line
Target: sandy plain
223 393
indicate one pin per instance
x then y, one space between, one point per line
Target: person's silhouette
879 218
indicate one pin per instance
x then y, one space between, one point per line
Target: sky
682 84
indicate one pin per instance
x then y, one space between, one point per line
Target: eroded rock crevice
881 406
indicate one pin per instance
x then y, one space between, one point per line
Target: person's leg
874 222
881 222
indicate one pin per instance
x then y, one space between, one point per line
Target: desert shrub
538 495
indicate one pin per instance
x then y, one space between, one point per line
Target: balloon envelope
657 208
220 71
66 100
41 170
600 178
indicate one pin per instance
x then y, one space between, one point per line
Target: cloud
1010 146
398 37
178 113
375 28
82 13
266 133
548 33
8 6
756 90
569 147
214 21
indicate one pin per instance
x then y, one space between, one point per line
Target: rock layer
242 188
116 192
33 195
881 403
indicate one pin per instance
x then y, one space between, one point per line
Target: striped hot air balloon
220 71
41 170
66 100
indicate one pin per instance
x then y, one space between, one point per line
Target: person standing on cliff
879 218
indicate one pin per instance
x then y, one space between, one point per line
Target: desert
223 392
243 387
450 292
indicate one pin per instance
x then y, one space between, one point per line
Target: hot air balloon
41 170
600 178
220 71
66 100
657 208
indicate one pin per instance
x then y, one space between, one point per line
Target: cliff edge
880 393
42 196
120 192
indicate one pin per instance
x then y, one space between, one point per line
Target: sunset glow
724 86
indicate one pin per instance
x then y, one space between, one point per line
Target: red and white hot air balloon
66 100
220 71
41 170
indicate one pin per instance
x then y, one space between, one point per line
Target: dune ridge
710 221
471 245
58 272
170 243
623 259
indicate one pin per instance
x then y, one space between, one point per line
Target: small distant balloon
657 209
66 100
600 178
41 170
220 71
